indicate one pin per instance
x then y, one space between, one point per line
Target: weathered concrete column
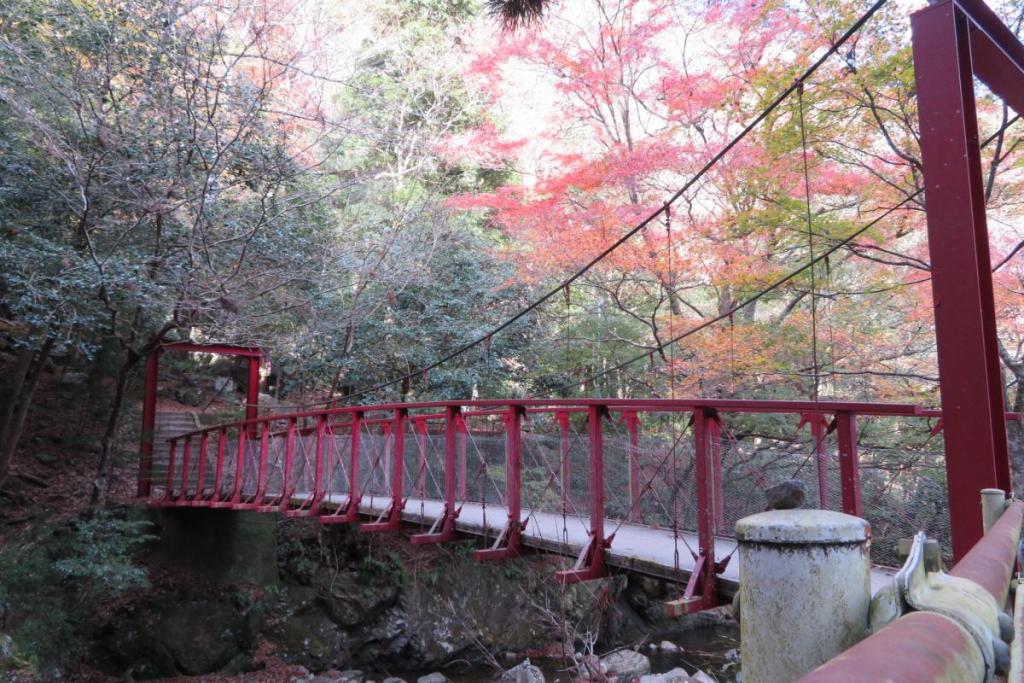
805 589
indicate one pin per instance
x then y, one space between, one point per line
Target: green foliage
47 573
99 555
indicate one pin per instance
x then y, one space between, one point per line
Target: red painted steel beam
393 514
218 471
819 428
216 349
703 433
965 323
996 53
252 397
590 564
148 425
562 417
849 463
633 429
509 543
444 527
921 647
289 464
990 562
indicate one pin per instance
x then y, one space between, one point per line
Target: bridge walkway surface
636 547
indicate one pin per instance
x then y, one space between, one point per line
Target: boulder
393 679
677 675
7 658
525 672
701 677
668 646
436 677
625 665
46 458
350 676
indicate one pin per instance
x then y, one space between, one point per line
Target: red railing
671 464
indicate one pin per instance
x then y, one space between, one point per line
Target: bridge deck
635 547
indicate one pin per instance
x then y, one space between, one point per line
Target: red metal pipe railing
258 469
926 646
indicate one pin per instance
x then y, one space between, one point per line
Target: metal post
632 425
590 563
354 493
508 544
319 488
421 466
819 429
218 472
714 427
394 433
849 465
197 496
705 571
252 397
236 494
965 323
443 529
171 452
186 458
563 426
289 458
461 431
261 478
144 485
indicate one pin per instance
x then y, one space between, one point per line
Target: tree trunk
105 466
26 380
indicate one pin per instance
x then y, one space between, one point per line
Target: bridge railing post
261 477
197 495
701 590
590 563
632 428
172 448
186 460
443 528
319 487
217 495
289 462
394 447
849 463
562 418
508 543
236 493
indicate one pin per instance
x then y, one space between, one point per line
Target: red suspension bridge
655 485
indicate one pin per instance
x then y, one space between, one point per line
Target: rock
73 378
668 646
435 677
625 665
677 675
393 679
46 458
787 495
224 385
523 673
701 677
351 676
6 651
189 396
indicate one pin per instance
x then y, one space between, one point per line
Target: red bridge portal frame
254 354
953 42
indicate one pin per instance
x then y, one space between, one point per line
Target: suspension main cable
694 179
